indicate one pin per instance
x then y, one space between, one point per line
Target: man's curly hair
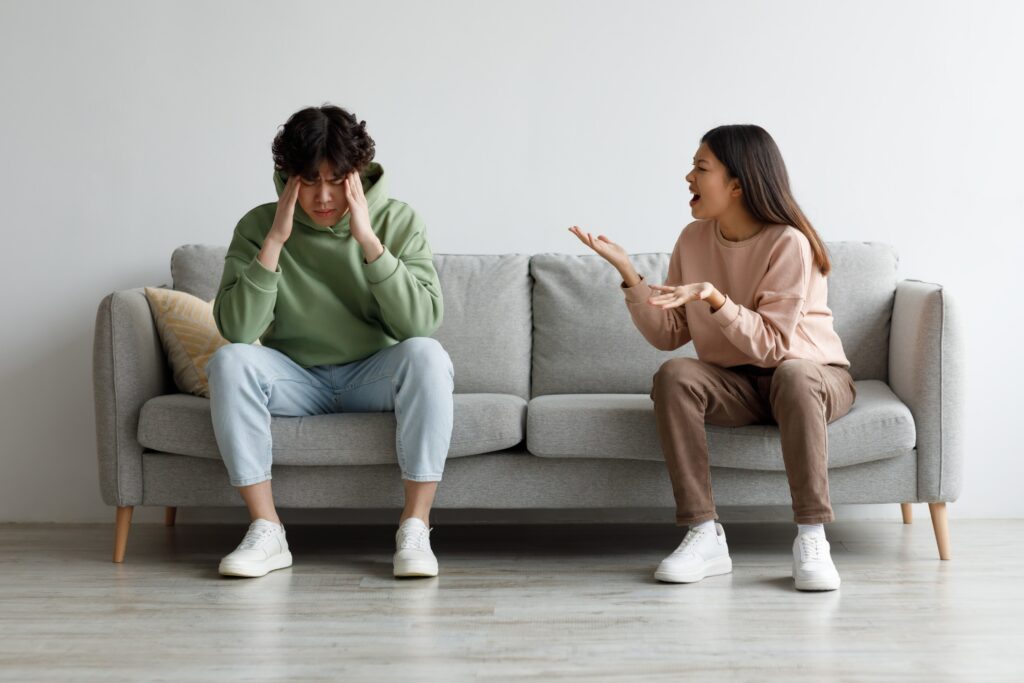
318 134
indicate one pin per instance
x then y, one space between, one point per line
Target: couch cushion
622 426
861 291
181 424
584 341
487 323
197 269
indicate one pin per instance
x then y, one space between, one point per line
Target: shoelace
810 548
413 538
689 540
255 537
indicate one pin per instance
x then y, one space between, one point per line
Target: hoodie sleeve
244 306
664 329
405 284
766 333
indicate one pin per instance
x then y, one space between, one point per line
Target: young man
337 282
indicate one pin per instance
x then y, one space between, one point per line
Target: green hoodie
325 305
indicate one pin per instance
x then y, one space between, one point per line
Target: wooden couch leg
124 521
169 515
908 513
941 525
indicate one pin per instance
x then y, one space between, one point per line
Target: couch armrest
128 369
926 370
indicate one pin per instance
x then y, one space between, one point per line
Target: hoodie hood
374 187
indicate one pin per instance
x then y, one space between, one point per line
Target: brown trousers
801 396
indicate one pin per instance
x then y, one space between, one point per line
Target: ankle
810 529
267 518
423 517
708 525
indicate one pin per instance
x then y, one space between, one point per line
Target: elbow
665 344
427 324
422 328
232 333
772 353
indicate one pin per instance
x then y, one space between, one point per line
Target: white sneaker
413 556
701 554
813 569
263 550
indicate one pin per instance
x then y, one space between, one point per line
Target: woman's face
714 192
323 198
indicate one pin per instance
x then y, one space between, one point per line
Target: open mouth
695 199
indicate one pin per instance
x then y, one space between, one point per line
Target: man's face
323 198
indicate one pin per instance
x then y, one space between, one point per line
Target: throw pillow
188 334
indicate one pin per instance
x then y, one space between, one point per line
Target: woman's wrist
630 278
716 300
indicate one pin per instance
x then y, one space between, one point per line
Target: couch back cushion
487 321
861 291
585 342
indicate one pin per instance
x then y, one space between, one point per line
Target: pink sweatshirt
775 300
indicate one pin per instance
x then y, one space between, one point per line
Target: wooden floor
512 602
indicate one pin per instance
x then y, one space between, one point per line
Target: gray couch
551 405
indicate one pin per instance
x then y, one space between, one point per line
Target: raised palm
603 247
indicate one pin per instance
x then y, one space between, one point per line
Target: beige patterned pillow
189 336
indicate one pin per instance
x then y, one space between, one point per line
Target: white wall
128 128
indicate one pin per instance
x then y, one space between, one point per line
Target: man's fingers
291 194
356 183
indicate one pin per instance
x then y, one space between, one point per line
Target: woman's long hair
751 156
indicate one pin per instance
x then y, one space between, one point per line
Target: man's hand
359 218
281 228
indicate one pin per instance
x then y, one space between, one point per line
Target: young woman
747 284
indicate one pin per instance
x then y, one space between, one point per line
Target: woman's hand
676 296
359 219
610 252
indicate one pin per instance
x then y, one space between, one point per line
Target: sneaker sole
816 585
716 567
252 570
411 569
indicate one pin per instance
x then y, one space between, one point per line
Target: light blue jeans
249 384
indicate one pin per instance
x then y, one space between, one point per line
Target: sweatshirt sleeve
406 286
664 329
766 333
244 306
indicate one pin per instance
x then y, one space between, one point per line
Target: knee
231 359
679 374
796 380
426 356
